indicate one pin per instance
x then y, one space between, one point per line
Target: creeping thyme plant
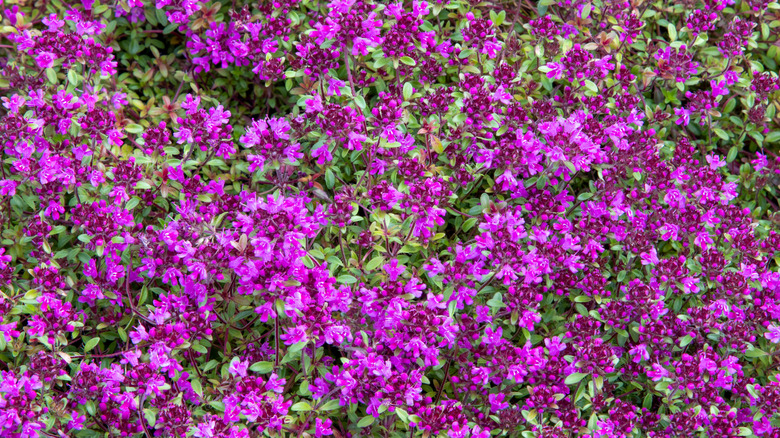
364 218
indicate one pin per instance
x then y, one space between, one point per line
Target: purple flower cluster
360 218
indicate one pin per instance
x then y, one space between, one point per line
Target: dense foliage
454 218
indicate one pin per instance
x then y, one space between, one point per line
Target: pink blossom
773 333
393 269
639 353
555 70
45 60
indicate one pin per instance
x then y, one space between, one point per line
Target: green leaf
541 183
585 196
574 378
301 407
590 85
347 279
497 302
304 388
469 224
721 133
586 11
672 31
729 106
122 334
732 154
330 406
360 101
92 343
74 78
408 90
757 137
90 407
170 28
262 367
648 401
210 365
134 128
366 421
294 348
199 348
374 263
57 230
150 416
773 137
161 17
51 75
143 185
330 179
408 61
755 353
500 19
197 387
132 203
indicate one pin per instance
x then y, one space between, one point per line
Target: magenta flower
555 70
238 367
275 383
719 88
650 257
393 270
45 60
657 372
684 116
773 333
715 161
497 402
322 153
669 232
427 218
322 428
639 353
